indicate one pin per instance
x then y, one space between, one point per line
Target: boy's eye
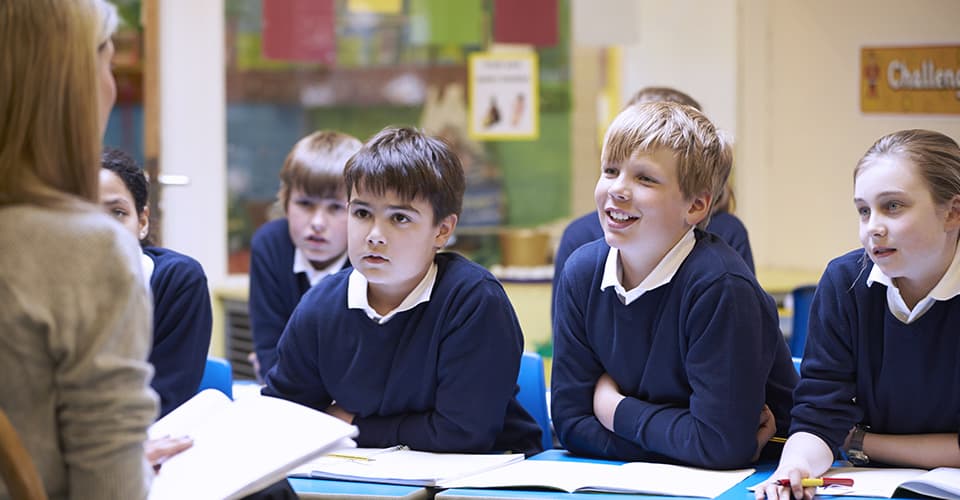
646 179
361 213
401 218
610 171
893 206
336 208
863 211
118 213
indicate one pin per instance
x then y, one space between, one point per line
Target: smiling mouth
619 216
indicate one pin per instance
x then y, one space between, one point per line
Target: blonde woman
74 313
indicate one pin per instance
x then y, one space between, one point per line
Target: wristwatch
855 453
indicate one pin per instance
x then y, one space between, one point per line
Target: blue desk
326 489
738 492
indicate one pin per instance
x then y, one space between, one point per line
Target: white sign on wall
504 96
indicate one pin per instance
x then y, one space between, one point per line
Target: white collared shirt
947 288
148 265
302 265
357 295
659 276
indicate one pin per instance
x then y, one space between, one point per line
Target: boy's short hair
315 165
669 94
704 157
411 163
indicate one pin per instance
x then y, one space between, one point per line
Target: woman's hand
162 449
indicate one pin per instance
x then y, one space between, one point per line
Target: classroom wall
814 132
783 76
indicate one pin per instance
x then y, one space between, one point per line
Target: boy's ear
699 208
144 222
444 231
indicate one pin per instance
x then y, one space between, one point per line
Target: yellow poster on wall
504 96
922 79
375 6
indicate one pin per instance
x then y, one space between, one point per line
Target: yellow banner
923 79
375 6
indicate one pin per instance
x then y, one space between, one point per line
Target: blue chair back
533 394
796 364
802 298
217 375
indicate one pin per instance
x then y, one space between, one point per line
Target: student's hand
252 358
770 490
767 429
804 455
339 412
162 449
606 397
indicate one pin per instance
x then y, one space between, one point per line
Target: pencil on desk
809 482
778 439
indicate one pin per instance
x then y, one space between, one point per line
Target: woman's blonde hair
49 110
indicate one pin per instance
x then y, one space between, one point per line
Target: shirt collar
661 274
947 288
357 295
148 265
302 265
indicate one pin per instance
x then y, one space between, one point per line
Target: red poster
525 21
299 30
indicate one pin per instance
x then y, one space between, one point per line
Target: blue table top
320 488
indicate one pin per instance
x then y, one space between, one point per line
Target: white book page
403 466
179 422
868 482
676 480
250 444
942 482
564 476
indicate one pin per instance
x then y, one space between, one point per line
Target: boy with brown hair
665 348
412 346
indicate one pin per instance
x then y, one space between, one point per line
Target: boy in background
666 348
289 255
412 346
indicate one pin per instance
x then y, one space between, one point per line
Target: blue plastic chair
796 364
217 375
533 394
802 298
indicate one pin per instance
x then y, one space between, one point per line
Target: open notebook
400 465
240 447
634 477
943 482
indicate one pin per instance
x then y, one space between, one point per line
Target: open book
399 465
633 477
943 482
240 447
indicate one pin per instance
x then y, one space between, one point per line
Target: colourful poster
299 30
531 22
504 96
913 80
